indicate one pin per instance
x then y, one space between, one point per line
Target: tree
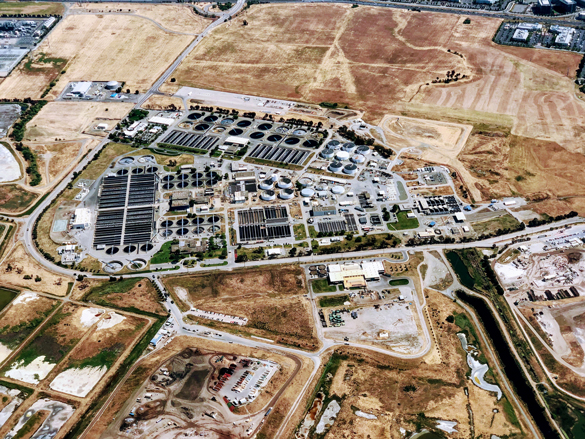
292 252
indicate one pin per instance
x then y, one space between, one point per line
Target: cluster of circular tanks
271 185
184 226
193 179
308 191
201 124
340 153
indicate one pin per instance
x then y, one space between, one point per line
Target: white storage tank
266 185
335 167
268 195
307 192
358 158
306 181
274 177
342 155
350 169
327 153
285 183
287 194
112 85
337 190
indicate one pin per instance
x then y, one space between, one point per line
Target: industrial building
564 34
324 210
438 205
81 219
355 275
520 35
80 89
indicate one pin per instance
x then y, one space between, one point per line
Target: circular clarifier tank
211 118
310 143
168 186
292 140
334 144
244 123
198 220
112 250
214 229
327 153
113 266
274 138
335 167
342 155
195 116
136 171
264 126
137 264
166 233
227 121
182 184
198 230
235 132
168 178
350 169
122 172
183 177
201 127
182 222
130 249
256 135
152 170
126 161
197 183
183 231
166 223
211 182
285 183
213 219
212 174
287 194
300 132
307 192
195 174
146 247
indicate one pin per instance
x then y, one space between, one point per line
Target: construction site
198 393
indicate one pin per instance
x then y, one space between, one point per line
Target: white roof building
460 217
81 219
366 270
81 88
242 141
161 120
520 35
529 26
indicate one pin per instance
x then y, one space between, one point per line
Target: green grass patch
510 413
322 286
467 328
164 255
6 296
6 239
106 357
403 222
312 232
398 282
299 231
332 301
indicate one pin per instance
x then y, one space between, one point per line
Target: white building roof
161 120
460 216
520 35
81 87
81 217
237 140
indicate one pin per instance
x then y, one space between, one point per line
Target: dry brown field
100 48
19 264
270 298
396 391
55 157
173 17
64 121
13 198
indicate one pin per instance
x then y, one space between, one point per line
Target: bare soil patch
13 198
158 102
58 156
130 294
20 264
